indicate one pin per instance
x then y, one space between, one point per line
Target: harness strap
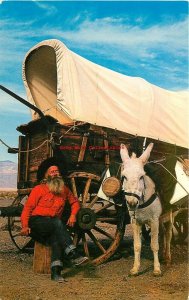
132 194
148 202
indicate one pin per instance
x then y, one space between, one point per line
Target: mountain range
8 174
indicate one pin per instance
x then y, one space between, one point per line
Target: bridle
143 204
134 194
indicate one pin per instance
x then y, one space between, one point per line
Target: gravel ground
109 281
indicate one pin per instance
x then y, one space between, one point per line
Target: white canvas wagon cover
71 88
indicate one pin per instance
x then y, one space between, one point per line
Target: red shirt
41 202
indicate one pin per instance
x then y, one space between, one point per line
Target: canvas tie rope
71 128
29 150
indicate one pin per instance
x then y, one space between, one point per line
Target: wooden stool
42 259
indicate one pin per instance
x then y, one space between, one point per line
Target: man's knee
58 225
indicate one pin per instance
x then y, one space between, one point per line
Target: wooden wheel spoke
74 189
100 230
104 207
15 235
75 239
94 239
94 200
106 219
85 246
86 190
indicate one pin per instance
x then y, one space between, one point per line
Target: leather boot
77 259
56 274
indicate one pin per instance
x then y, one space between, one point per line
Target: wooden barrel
111 186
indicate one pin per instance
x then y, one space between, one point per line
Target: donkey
143 204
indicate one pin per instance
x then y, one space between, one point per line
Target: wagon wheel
23 243
181 226
100 223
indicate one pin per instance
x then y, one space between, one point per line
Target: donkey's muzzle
132 194
132 206
133 202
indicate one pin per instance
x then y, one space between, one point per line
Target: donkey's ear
146 154
124 153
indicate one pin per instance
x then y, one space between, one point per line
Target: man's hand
71 221
25 231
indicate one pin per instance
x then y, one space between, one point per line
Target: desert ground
108 281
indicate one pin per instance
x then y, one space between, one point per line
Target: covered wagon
86 112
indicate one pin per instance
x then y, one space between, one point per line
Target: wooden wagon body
82 146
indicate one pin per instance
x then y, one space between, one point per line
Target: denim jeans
51 231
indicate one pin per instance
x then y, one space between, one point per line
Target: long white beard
55 184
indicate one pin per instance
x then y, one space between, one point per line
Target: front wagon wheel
23 243
101 223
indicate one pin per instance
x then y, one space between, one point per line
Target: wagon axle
86 218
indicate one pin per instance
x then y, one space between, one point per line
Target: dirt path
109 281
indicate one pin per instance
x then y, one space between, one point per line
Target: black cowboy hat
49 162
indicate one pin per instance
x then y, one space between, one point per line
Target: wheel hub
86 218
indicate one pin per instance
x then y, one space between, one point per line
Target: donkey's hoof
157 273
133 272
168 262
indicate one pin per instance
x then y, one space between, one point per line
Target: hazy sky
144 39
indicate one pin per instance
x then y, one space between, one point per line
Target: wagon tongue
31 106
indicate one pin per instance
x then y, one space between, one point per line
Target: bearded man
41 217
